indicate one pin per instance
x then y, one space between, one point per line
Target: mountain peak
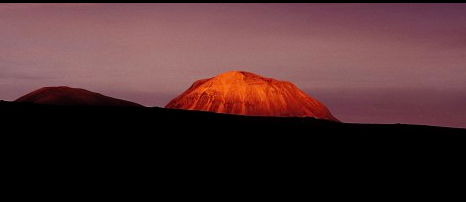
238 73
245 93
242 75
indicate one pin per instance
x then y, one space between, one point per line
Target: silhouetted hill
67 96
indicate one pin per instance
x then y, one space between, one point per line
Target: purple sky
371 63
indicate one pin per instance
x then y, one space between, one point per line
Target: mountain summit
244 93
64 95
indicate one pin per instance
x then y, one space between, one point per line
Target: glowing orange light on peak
245 93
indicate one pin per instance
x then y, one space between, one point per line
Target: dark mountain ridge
67 96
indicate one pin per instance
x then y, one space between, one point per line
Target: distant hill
67 96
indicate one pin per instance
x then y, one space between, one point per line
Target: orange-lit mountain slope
244 93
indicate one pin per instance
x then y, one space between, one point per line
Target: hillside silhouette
176 139
162 120
107 126
67 96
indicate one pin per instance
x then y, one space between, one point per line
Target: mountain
244 93
64 95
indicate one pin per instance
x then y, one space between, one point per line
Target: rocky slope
244 93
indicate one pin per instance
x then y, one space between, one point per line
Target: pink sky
379 63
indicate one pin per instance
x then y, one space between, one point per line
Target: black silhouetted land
157 140
98 121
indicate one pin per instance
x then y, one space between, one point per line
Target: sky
368 63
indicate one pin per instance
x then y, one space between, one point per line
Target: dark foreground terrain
144 132
137 125
133 146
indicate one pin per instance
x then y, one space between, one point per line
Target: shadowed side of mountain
66 96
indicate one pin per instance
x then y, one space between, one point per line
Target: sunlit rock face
244 93
72 97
